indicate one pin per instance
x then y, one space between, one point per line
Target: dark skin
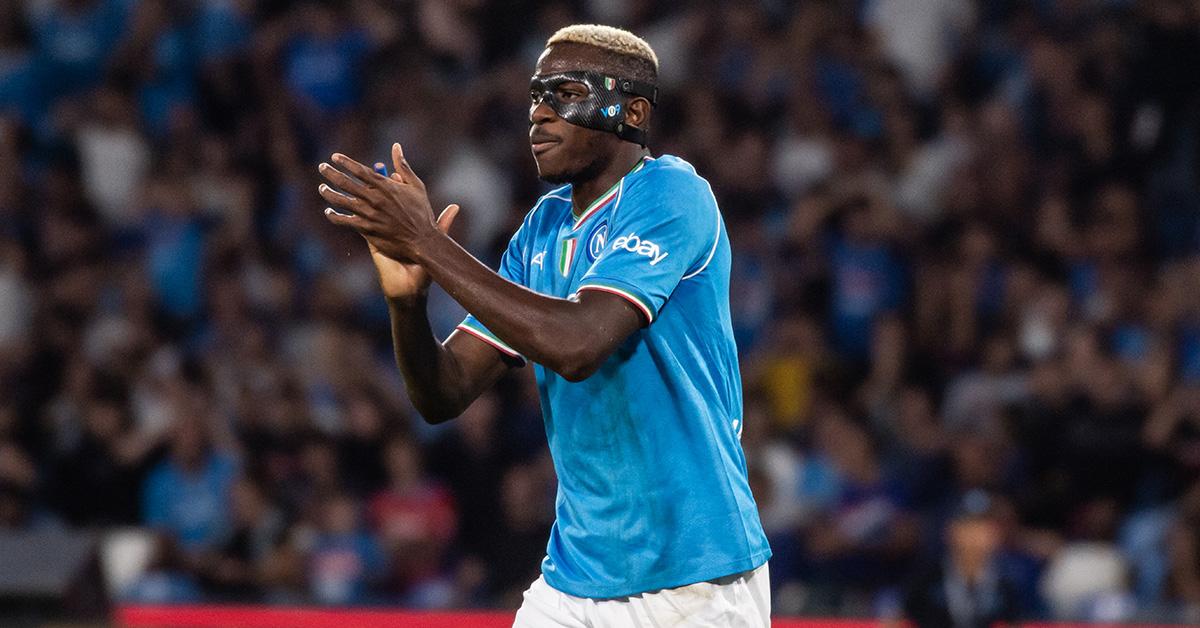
410 248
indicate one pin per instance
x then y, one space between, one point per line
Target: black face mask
603 109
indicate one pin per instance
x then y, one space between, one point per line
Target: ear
637 113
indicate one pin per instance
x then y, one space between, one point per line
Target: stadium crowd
966 290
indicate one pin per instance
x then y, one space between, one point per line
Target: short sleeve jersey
652 484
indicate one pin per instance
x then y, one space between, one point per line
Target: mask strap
639 88
631 133
631 87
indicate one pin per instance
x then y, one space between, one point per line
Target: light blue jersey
652 488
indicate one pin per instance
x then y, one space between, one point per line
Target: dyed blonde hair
615 40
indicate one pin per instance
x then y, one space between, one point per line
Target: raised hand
392 212
400 280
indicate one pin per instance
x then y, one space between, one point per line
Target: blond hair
615 40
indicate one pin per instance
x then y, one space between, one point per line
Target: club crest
597 242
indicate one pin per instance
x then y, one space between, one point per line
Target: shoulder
670 176
670 189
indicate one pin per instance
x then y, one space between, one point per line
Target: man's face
563 151
974 540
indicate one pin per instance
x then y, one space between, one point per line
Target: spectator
970 589
516 561
166 580
868 279
414 517
74 41
344 561
233 570
16 320
188 494
1087 582
469 460
1184 552
98 481
867 531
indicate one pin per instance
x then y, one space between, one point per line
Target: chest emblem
538 259
597 241
565 256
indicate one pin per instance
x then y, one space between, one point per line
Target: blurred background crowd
966 291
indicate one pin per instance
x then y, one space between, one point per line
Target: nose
541 112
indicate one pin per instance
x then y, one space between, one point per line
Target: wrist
412 301
427 244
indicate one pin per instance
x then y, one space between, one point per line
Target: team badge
597 241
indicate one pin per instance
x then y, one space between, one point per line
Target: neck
583 193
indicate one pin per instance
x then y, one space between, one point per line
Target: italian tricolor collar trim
607 197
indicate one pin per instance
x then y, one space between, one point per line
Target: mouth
542 147
541 143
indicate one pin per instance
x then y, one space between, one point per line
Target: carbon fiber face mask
603 109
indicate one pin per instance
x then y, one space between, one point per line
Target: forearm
436 382
544 329
569 336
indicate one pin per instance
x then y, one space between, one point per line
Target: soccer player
616 287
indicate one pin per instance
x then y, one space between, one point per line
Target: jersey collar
606 198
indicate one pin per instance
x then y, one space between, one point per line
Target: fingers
447 218
365 178
401 167
382 169
340 180
344 202
344 220
364 174
357 190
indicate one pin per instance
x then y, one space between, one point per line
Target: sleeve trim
629 296
495 342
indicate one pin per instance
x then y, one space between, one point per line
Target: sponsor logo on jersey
645 248
538 259
597 242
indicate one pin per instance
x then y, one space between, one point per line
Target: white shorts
738 601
